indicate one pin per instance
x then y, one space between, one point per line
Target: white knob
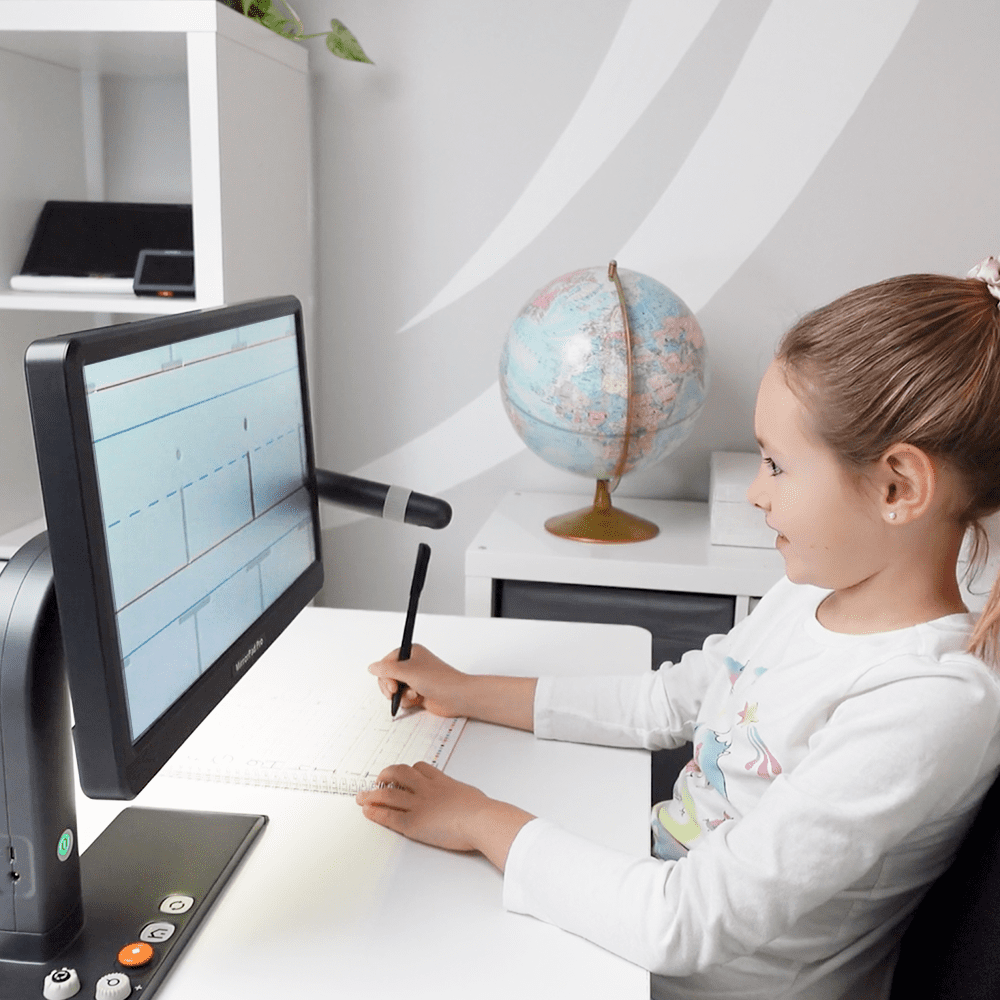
113 986
60 984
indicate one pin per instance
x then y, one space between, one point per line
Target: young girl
844 733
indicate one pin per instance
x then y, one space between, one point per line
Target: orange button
137 953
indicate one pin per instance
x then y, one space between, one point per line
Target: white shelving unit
247 147
157 100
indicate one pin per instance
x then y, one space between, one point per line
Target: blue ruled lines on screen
201 465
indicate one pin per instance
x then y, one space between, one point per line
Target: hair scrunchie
988 271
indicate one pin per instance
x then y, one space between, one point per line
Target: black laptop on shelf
94 246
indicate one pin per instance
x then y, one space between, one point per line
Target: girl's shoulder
784 624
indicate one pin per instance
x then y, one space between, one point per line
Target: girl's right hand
432 683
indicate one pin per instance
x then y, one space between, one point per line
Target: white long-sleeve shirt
834 776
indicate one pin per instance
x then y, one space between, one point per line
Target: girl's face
829 531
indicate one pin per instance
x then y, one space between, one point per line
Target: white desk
328 904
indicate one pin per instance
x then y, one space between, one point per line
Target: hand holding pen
433 685
419 575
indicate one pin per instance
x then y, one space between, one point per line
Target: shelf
73 302
100 75
130 37
81 16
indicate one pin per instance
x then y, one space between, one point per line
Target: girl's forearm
493 828
506 701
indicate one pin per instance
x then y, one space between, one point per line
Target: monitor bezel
110 765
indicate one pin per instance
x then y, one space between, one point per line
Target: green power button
65 845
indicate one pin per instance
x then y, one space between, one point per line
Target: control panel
147 882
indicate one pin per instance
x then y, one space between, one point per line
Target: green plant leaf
341 42
256 9
280 25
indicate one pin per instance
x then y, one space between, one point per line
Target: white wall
758 157
794 150
143 163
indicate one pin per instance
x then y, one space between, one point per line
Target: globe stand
602 523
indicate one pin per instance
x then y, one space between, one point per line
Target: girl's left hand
424 804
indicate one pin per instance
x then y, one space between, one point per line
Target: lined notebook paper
310 740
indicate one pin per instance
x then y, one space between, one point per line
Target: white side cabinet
98 84
513 545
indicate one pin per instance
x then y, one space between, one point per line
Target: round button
158 931
135 954
61 984
64 848
176 904
113 986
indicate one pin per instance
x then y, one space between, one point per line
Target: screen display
202 470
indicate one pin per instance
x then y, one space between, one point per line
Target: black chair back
951 950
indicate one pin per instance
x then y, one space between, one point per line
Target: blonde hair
914 359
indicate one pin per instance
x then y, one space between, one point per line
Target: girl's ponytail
985 640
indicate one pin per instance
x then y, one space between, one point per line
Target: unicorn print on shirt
766 763
708 748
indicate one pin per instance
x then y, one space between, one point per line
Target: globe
604 371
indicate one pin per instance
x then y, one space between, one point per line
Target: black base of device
144 857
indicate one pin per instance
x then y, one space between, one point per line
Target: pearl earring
892 515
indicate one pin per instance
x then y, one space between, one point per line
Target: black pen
419 574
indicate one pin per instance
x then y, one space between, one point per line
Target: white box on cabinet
733 519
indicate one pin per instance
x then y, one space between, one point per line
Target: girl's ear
907 480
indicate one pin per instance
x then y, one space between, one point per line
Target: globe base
602 523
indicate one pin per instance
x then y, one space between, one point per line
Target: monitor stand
118 917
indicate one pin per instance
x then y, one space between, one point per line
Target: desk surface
327 901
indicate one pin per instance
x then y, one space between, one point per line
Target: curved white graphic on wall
801 79
652 39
